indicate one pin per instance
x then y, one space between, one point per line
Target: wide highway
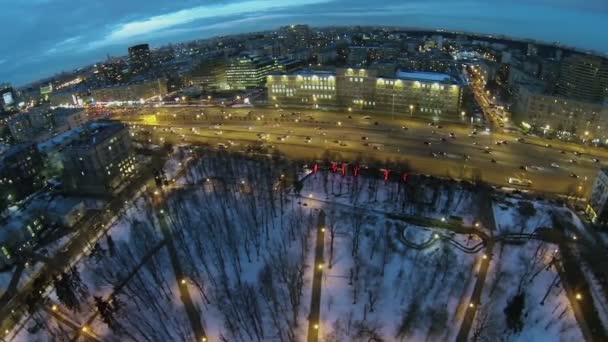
442 149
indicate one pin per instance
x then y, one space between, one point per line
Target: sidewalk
315 302
180 279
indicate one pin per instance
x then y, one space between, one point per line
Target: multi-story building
18 234
8 98
535 109
597 207
248 71
210 74
302 88
20 173
438 96
101 161
130 92
40 123
113 72
584 78
296 36
140 60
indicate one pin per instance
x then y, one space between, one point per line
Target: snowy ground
246 249
430 198
524 269
397 293
247 264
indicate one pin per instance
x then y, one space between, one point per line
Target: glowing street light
54 308
320 267
316 326
579 296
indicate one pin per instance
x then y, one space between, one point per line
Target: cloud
152 25
66 45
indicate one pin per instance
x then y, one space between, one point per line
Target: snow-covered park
230 243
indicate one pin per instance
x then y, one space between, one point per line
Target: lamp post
411 110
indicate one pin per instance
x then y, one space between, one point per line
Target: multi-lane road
443 149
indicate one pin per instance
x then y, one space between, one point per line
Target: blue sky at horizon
42 37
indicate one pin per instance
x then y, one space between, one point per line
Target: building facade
20 173
140 59
437 96
130 92
101 161
248 71
597 207
584 78
535 109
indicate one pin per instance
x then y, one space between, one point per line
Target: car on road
595 160
364 138
343 144
578 154
404 128
555 165
444 139
519 181
428 143
434 155
452 135
376 147
548 145
562 152
572 161
521 140
493 161
523 167
573 175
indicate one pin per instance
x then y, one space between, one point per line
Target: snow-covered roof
425 76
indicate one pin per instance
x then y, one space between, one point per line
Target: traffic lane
424 164
382 119
517 155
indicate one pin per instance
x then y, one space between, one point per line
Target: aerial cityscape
297 173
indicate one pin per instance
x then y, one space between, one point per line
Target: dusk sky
41 37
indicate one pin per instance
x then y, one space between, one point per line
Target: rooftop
425 76
95 133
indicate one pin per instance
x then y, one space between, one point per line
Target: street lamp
579 296
411 110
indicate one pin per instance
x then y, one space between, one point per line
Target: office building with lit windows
584 78
140 60
20 173
100 161
438 96
245 72
303 88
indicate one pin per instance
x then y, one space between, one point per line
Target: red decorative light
405 177
356 171
344 168
315 168
334 167
386 174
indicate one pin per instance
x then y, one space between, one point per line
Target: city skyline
78 38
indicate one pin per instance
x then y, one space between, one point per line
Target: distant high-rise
584 78
297 36
139 58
